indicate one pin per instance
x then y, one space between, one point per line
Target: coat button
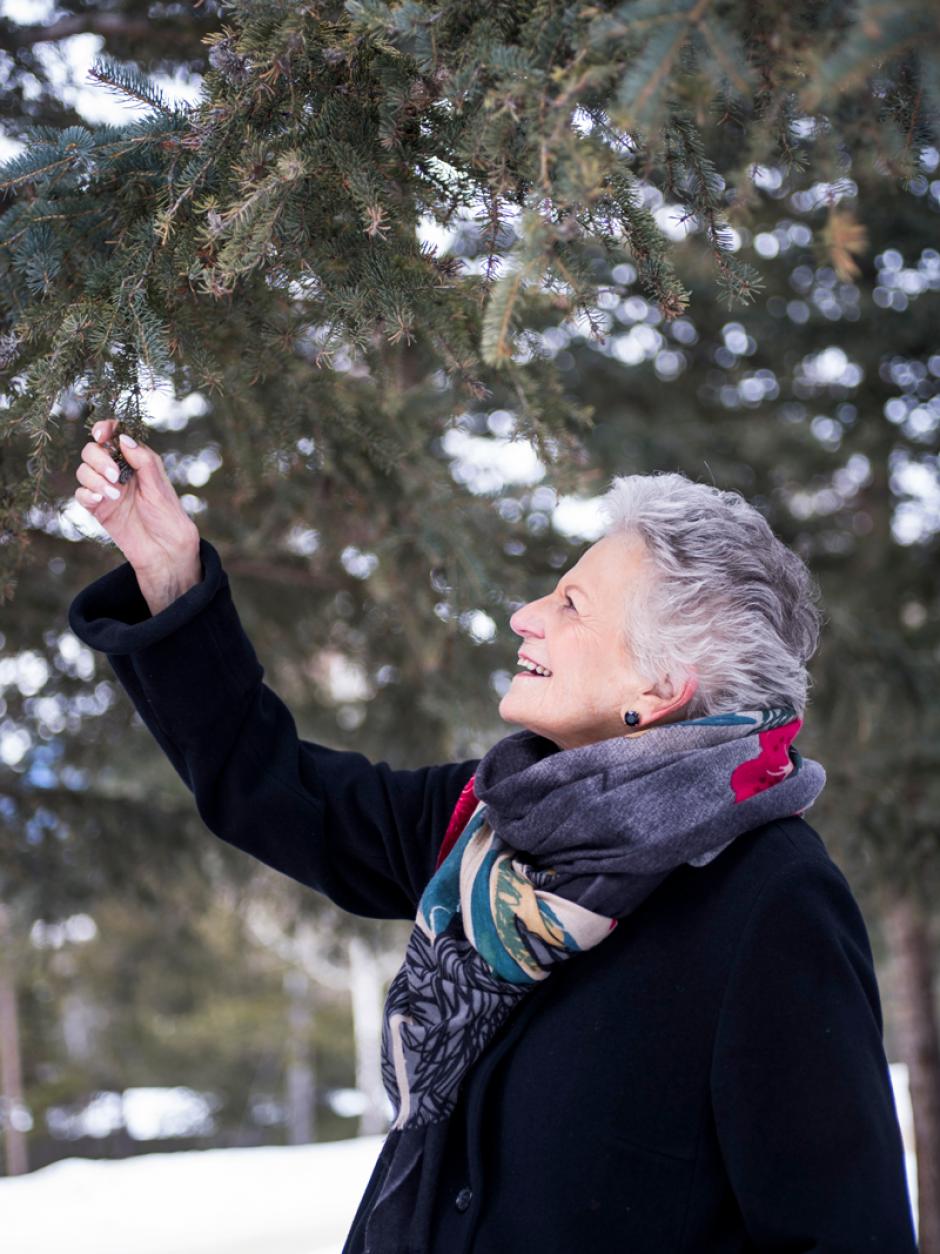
463 1199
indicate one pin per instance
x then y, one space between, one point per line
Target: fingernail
126 439
96 496
96 433
114 493
112 472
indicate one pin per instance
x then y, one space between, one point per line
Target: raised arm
365 835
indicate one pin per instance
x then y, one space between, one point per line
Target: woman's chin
514 708
505 710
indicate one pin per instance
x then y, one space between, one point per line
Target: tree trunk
80 1022
300 1081
12 1105
366 992
908 940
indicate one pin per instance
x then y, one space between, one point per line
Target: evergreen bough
327 131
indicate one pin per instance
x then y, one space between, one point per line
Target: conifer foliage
328 131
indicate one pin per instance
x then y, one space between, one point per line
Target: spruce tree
338 493
285 203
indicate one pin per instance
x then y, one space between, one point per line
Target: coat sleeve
360 832
801 1088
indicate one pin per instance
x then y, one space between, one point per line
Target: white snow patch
270 1200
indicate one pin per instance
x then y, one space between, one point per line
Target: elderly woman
638 1009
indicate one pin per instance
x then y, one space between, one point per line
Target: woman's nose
524 622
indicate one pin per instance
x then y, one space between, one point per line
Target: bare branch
13 37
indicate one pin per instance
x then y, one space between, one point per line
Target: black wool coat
710 1079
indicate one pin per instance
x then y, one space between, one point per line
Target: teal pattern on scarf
507 920
548 847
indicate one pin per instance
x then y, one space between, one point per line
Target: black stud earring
631 717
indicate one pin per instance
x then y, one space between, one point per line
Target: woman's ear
689 689
665 690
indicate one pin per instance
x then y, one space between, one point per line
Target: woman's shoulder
782 867
787 871
780 847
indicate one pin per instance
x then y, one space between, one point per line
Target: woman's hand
143 516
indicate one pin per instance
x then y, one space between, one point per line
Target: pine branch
498 318
130 83
643 86
326 133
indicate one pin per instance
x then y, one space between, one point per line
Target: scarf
558 845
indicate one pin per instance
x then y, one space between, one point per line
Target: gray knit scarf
558 845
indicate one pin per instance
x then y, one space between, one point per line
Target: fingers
103 430
101 461
88 499
99 473
97 480
137 456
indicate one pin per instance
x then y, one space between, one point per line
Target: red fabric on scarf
466 804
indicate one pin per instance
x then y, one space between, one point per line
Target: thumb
136 455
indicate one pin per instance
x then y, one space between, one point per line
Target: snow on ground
272 1200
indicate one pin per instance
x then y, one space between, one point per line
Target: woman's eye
570 602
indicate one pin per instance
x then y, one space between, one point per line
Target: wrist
162 587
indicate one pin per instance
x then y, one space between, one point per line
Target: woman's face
576 633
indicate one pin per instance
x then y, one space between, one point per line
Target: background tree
556 239
288 198
167 43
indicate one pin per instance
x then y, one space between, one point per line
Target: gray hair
724 599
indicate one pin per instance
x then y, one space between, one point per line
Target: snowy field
275 1200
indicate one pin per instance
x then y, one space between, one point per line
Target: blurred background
160 993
